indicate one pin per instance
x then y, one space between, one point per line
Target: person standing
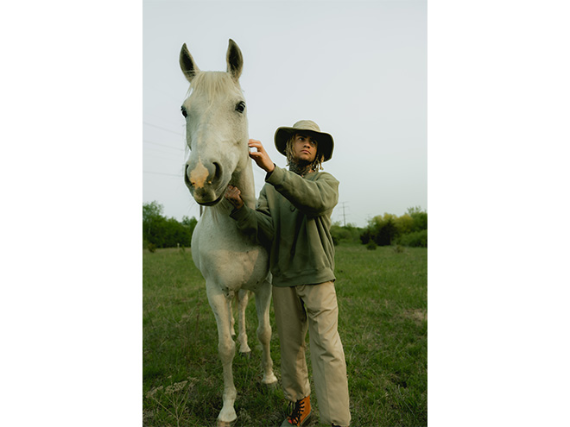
293 220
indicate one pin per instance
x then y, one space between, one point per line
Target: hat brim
325 142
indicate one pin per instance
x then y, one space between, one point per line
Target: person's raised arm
260 157
312 196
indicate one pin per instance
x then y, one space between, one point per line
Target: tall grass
382 298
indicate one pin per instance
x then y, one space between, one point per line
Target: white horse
217 135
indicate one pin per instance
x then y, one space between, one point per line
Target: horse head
216 126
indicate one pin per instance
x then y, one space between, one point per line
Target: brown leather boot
300 414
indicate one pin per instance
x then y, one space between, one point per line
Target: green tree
152 209
404 224
190 223
419 217
165 232
409 229
152 223
176 234
383 229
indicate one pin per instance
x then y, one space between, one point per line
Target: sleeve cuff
274 177
239 214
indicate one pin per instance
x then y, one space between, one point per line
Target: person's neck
300 168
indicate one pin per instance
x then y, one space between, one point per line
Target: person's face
304 148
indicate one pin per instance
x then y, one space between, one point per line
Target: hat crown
307 125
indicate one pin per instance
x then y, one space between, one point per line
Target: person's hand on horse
260 156
234 196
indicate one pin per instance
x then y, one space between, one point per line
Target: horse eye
240 107
184 113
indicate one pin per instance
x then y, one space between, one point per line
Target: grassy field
382 297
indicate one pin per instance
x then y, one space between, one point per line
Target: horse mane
214 83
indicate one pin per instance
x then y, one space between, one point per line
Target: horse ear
187 64
234 59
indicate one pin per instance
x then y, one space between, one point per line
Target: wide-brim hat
325 143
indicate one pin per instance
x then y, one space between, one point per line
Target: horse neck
244 181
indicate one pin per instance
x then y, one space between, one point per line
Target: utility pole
343 204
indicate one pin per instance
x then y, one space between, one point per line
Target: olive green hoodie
293 220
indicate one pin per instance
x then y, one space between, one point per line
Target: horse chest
229 260
235 269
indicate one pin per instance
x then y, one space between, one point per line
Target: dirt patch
418 315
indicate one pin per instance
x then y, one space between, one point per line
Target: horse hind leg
242 300
262 303
220 304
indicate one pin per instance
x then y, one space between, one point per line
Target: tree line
162 232
409 229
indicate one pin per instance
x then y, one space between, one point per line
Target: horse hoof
271 386
246 354
270 380
223 424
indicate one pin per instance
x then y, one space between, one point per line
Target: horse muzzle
204 182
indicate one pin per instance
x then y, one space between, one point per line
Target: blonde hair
317 164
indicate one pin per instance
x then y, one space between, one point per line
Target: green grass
382 297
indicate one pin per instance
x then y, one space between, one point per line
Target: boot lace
295 417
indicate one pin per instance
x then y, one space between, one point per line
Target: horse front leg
232 322
242 300
262 303
220 303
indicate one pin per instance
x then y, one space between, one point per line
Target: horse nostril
217 172
186 178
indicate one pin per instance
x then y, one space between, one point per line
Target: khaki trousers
312 307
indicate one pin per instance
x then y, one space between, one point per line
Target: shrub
347 233
388 229
365 237
335 239
371 246
382 229
415 239
398 249
386 232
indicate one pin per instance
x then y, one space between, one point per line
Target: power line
163 145
162 173
171 158
163 128
171 121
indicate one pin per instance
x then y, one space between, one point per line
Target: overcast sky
358 69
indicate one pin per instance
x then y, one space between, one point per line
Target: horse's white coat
231 264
